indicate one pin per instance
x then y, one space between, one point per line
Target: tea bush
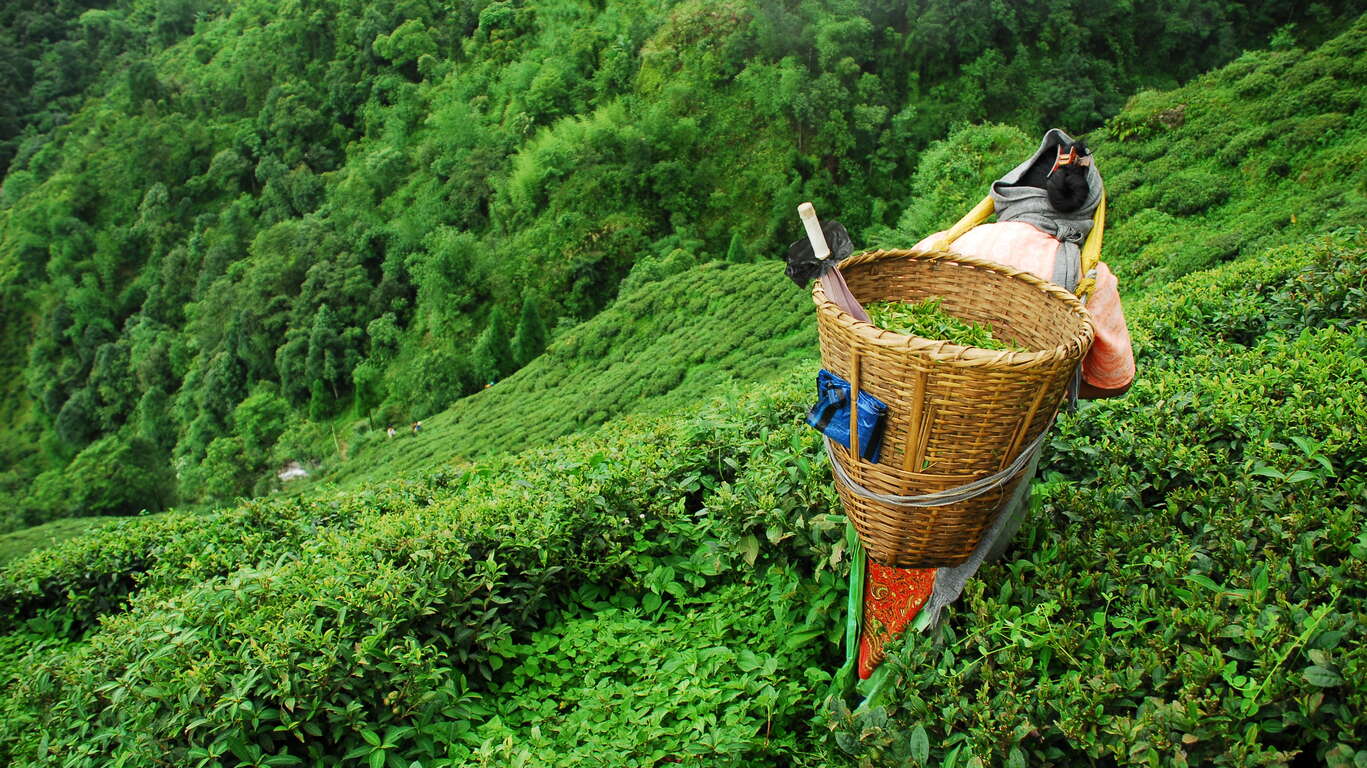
87 577
1191 192
1260 157
1188 590
340 204
720 677
1197 176
387 619
422 604
18 543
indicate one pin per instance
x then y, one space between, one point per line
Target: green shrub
414 589
953 175
1189 590
643 354
1192 192
721 676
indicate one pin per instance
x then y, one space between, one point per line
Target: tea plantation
631 553
669 340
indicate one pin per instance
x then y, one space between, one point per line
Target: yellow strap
1091 250
970 220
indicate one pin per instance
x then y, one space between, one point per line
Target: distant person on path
391 431
1044 211
417 427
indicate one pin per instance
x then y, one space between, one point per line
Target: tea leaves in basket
929 320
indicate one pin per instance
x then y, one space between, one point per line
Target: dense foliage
51 53
261 223
1188 591
1235 606
415 594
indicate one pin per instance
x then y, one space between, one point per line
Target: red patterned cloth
892 598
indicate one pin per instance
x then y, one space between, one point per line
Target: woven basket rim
956 354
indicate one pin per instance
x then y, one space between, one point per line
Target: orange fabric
1110 363
892 598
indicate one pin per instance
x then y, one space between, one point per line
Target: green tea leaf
1321 676
749 548
920 745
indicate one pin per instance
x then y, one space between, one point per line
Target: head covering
1016 198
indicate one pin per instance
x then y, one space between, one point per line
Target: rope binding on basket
955 495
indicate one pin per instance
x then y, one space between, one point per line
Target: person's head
1066 184
1062 174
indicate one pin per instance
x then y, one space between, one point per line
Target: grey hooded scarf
1014 202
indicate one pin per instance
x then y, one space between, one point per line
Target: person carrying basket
1046 208
934 464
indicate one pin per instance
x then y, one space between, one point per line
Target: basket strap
970 220
1091 252
949 495
1091 257
1091 249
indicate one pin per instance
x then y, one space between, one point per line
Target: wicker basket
955 414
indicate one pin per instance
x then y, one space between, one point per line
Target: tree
143 84
224 385
492 355
368 380
76 422
319 403
531 333
118 475
227 471
258 422
113 384
384 336
324 363
735 253
291 365
153 420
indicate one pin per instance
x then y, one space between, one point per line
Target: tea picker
947 434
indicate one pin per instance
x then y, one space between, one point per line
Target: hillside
232 229
1190 189
1189 590
662 346
438 603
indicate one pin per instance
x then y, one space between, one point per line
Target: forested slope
262 222
1220 171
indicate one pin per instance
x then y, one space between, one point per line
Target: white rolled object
814 235
831 280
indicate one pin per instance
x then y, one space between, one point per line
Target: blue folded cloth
831 415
